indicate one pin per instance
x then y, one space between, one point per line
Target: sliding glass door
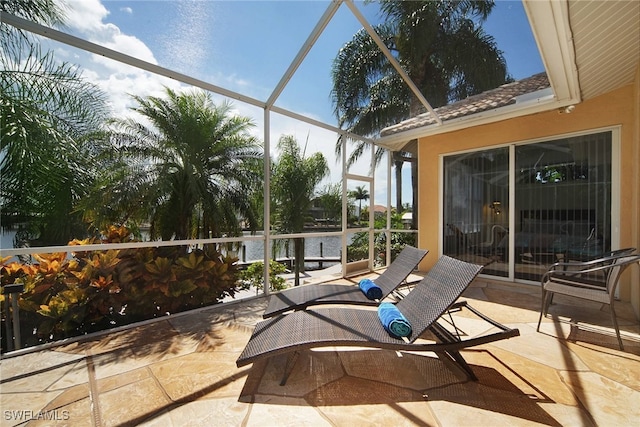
563 202
561 208
476 201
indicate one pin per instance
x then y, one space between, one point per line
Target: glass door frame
615 191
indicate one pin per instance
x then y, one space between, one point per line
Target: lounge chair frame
301 297
423 306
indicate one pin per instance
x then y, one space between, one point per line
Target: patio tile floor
180 371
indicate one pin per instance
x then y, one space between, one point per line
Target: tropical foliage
94 290
438 43
189 173
51 120
441 46
293 183
190 170
47 12
360 194
359 247
330 199
253 276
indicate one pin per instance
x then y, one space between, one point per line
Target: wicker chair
423 306
301 297
594 280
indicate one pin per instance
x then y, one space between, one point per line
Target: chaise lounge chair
348 326
301 297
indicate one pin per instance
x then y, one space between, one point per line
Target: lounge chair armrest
582 265
591 267
567 275
486 318
612 262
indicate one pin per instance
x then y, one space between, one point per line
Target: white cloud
84 15
87 18
112 38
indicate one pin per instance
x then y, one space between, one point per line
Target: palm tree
443 50
330 198
190 174
51 119
292 188
46 12
360 194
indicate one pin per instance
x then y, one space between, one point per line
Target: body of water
327 246
6 239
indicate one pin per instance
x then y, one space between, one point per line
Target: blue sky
246 46
249 44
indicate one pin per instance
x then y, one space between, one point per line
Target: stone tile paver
480 405
542 349
608 402
201 413
380 403
38 371
196 375
132 403
313 369
180 371
506 371
268 410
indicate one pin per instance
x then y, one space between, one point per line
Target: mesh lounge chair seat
348 326
578 282
301 297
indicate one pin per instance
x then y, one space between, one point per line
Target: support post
14 341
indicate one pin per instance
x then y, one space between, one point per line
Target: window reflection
562 205
476 208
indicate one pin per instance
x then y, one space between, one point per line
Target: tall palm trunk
414 200
398 164
298 259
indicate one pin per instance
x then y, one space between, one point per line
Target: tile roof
495 98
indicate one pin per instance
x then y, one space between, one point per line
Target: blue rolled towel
393 320
370 289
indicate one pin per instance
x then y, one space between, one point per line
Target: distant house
379 209
407 220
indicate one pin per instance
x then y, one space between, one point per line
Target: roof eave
546 101
549 20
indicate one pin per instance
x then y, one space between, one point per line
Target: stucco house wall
619 108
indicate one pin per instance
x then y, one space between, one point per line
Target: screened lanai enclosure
127 69
175 68
519 208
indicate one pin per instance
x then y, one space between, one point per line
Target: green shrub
254 275
359 247
96 290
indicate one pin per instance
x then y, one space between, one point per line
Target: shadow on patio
181 371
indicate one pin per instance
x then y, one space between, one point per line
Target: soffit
606 37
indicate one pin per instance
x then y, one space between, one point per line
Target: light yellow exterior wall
634 288
617 108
